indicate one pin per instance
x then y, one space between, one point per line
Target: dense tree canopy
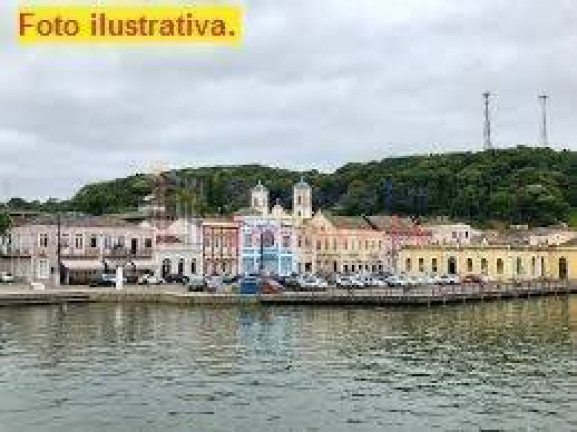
521 185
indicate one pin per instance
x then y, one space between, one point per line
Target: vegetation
4 223
537 186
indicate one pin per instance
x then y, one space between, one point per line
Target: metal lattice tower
487 143
544 133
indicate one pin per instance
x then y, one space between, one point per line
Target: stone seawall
418 296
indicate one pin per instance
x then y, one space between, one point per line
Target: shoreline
427 296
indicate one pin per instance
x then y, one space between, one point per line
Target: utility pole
544 134
487 144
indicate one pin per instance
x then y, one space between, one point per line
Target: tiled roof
81 221
349 222
386 223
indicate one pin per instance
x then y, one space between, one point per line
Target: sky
314 84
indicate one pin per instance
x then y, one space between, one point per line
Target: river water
108 367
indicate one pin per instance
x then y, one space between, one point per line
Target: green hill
521 185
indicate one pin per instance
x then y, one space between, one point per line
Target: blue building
266 245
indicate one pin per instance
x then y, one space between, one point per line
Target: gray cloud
316 83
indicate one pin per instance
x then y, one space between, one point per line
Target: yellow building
339 244
498 262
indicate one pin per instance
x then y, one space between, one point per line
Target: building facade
497 262
220 250
179 248
73 249
339 244
266 245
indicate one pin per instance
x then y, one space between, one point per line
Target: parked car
342 281
397 281
196 284
6 277
312 283
104 280
150 279
478 279
291 282
176 279
450 280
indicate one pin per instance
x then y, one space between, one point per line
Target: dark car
104 280
196 284
176 279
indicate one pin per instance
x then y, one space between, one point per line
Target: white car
6 277
148 279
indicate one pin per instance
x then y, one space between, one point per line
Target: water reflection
507 365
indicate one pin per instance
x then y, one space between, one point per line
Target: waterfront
118 367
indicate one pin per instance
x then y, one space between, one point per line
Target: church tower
302 200
259 199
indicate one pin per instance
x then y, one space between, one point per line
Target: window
334 244
346 245
108 242
519 266
484 266
380 245
121 241
247 240
207 242
319 246
470 265
408 264
43 240
216 242
93 241
434 265
193 266
79 241
366 244
500 266
533 266
327 244
300 241
286 241
421 265
65 240
148 243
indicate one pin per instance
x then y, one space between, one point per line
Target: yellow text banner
220 24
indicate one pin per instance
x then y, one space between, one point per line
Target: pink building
89 246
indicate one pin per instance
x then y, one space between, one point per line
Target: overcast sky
315 84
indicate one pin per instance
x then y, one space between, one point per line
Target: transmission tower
543 99
487 143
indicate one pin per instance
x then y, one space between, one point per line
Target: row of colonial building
269 239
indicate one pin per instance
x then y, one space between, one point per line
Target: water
99 367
